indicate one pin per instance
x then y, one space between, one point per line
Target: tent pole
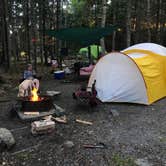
89 55
98 52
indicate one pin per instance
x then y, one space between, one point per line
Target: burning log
43 105
36 103
36 106
35 96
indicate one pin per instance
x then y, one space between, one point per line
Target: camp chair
86 71
78 66
86 95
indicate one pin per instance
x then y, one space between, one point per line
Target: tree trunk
114 22
148 21
27 31
57 27
40 33
2 55
43 29
163 27
128 24
158 21
34 36
138 21
103 21
5 34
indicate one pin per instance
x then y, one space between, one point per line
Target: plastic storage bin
59 74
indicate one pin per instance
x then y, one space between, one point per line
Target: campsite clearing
137 134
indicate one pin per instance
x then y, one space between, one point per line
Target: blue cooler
59 74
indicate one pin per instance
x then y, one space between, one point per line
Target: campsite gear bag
86 95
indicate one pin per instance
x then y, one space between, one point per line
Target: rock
114 112
6 139
2 92
3 163
53 93
153 109
90 132
142 162
7 86
68 144
59 111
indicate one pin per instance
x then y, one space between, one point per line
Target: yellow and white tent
136 75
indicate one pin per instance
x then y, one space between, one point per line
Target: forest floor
136 135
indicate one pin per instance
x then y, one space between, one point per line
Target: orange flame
35 96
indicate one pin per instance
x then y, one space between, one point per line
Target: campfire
36 103
36 106
34 96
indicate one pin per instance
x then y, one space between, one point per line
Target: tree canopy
24 24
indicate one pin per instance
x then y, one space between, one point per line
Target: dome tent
136 75
94 50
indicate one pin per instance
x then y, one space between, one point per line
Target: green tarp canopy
82 35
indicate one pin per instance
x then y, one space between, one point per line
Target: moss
23 156
117 160
162 139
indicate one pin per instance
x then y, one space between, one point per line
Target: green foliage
117 160
27 18
78 16
24 156
162 139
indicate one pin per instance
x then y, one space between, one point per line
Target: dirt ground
137 134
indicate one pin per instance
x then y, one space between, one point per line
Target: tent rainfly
135 75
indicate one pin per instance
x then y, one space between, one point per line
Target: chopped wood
62 119
42 127
47 117
84 122
31 113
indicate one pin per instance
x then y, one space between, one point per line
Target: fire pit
36 106
44 104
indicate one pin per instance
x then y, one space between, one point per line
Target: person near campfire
29 82
30 74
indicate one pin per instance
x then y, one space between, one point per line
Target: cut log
84 122
31 113
62 119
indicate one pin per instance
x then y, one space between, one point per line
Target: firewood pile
42 127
